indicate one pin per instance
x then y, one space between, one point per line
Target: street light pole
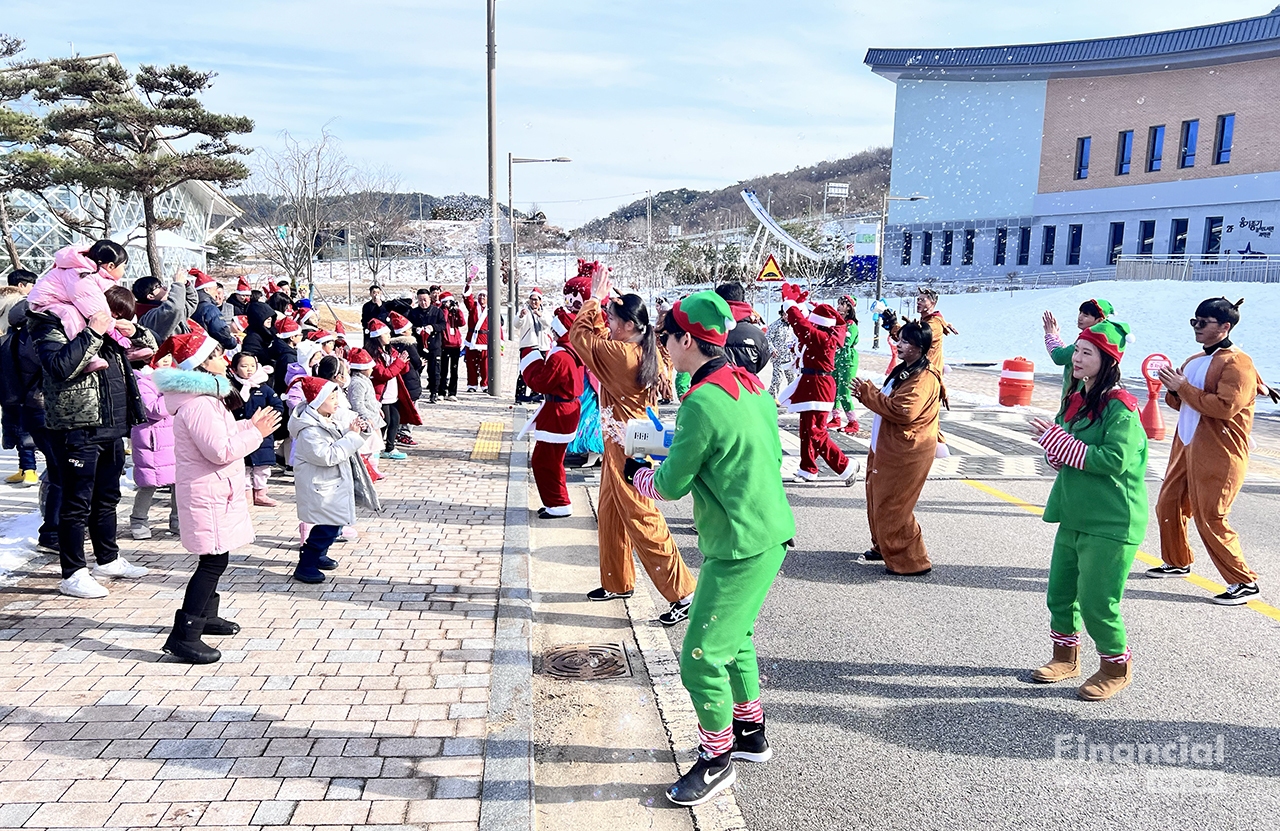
493 277
514 288
884 227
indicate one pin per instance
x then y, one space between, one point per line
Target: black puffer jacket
257 338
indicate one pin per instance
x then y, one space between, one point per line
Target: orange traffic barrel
1017 380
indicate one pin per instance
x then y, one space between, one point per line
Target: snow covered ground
998 325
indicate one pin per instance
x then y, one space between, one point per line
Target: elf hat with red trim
1111 336
706 316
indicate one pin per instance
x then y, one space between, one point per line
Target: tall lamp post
494 277
884 226
514 294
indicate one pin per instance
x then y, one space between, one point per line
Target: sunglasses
1201 322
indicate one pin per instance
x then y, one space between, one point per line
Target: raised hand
1050 324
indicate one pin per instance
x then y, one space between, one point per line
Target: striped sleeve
643 483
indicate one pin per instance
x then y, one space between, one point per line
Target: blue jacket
210 317
259 397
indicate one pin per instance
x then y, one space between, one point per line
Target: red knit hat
202 280
377 328
315 390
287 327
188 351
399 323
824 315
359 359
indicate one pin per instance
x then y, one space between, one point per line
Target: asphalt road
907 703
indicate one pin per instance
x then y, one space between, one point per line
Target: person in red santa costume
813 393
558 376
477 338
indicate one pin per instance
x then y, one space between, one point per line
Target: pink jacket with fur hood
73 290
209 447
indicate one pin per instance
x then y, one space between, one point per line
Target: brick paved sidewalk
358 702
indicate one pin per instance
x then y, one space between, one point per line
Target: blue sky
642 96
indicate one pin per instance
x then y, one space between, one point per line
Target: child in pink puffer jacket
75 288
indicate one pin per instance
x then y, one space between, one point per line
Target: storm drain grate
586 661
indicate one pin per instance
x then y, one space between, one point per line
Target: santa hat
535 290
287 327
562 322
242 322
188 351
271 288
1111 336
706 316
824 315
445 295
321 336
315 390
338 328
377 328
359 359
399 323
243 287
305 317
202 280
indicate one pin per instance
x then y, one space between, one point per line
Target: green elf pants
1087 577
683 379
846 371
718 661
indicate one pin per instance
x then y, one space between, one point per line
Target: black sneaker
1166 570
1237 594
749 743
709 776
679 611
872 556
604 594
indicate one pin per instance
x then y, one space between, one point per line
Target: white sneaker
140 531
120 567
82 584
850 474
802 476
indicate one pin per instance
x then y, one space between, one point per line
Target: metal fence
1223 268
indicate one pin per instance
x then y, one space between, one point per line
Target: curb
674 707
506 793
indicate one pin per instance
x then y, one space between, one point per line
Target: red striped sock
1060 639
1123 658
749 711
717 743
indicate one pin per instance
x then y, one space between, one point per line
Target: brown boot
261 499
1065 664
1110 679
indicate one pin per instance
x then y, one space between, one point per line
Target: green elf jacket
726 451
1108 498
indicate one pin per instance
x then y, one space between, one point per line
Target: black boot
749 743
214 625
184 641
709 776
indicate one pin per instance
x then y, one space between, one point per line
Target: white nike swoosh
746 733
707 778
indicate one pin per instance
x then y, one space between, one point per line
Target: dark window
1178 238
1002 245
1046 250
1213 235
1024 245
1074 238
1190 134
1147 236
1222 139
1082 157
966 258
1124 153
1117 242
948 245
906 248
1155 148
926 248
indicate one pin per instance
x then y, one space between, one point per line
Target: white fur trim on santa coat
819 320
554 438
810 406
530 359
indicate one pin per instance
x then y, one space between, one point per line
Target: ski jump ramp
771 226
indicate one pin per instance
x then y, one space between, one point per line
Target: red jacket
477 324
815 387
558 376
453 323
388 366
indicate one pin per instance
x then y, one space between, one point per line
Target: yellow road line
488 441
1194 579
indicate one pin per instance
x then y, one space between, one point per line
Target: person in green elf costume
846 367
727 452
682 383
1099 501
1092 312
